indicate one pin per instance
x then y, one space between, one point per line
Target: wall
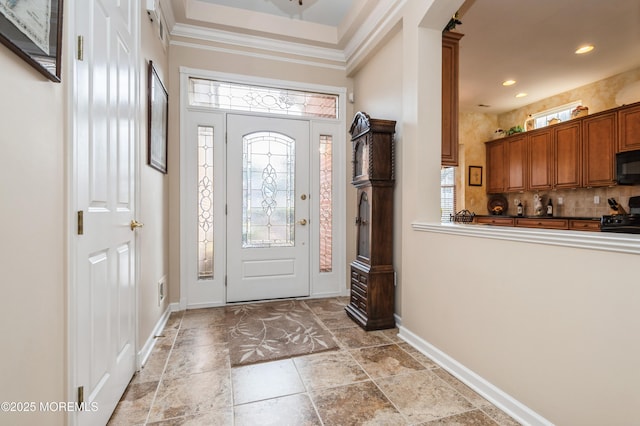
551 326
382 101
153 209
32 242
212 57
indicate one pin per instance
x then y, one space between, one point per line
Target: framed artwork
158 112
475 175
33 31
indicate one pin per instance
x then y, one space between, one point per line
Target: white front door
102 300
268 208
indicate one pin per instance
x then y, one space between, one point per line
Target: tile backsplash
575 202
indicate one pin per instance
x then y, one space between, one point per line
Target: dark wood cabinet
495 167
540 160
372 298
629 128
567 151
598 149
450 54
516 161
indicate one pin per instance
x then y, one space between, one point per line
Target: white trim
143 354
486 389
602 241
319 287
255 42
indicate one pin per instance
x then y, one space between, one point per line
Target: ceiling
530 42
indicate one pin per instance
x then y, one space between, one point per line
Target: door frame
71 183
329 284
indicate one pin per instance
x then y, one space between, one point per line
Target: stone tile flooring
373 379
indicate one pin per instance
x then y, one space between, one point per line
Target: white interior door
103 297
267 208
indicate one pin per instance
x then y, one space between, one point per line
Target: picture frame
475 175
158 113
33 31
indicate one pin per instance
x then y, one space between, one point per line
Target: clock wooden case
372 300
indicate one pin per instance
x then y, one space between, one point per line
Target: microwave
628 167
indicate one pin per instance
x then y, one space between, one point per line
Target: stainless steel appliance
628 223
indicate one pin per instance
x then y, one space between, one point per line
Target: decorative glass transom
244 97
268 184
205 202
326 208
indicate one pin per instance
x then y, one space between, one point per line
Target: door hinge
80 51
80 222
80 395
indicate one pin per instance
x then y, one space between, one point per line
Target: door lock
302 222
303 197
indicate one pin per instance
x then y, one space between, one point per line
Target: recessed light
521 95
508 82
584 49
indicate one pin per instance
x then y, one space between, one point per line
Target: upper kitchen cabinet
629 128
495 167
516 161
450 49
598 149
540 154
567 152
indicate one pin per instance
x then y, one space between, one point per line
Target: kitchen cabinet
567 153
494 220
372 300
495 167
584 225
515 163
629 128
540 159
450 54
598 149
545 223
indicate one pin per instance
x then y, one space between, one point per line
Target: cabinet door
495 167
629 128
540 159
598 144
516 160
450 98
567 153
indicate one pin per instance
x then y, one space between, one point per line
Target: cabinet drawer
499 221
584 225
542 223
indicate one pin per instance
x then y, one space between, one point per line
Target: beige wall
551 326
32 245
33 166
154 194
382 101
208 59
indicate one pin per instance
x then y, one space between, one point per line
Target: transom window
562 113
273 100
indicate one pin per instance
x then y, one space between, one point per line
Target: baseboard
491 393
144 353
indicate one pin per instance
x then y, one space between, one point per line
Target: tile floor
373 379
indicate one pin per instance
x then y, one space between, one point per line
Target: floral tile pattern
275 330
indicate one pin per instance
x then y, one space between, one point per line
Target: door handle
302 222
135 224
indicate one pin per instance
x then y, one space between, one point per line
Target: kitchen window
447 193
562 113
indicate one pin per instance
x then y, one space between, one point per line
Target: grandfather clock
372 277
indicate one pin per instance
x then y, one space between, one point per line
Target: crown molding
258 55
256 42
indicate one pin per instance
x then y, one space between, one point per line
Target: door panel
105 117
268 208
